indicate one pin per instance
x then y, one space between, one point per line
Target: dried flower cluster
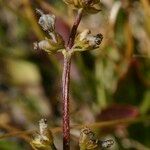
43 140
86 41
55 42
83 41
90 6
88 141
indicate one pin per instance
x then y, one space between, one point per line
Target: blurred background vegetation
107 84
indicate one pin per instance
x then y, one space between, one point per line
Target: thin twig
112 123
74 29
141 56
20 134
92 125
14 132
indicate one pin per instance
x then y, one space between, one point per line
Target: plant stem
66 115
74 29
66 81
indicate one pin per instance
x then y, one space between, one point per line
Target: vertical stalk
66 81
66 114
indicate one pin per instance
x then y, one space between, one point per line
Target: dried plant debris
43 139
88 141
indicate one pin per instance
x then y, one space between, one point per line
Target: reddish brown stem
74 29
65 83
66 116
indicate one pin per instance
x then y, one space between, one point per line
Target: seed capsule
86 41
48 46
55 41
46 21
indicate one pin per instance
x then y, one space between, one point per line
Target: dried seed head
87 139
46 21
81 3
43 139
90 6
86 41
53 44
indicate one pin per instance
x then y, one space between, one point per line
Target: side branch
74 29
